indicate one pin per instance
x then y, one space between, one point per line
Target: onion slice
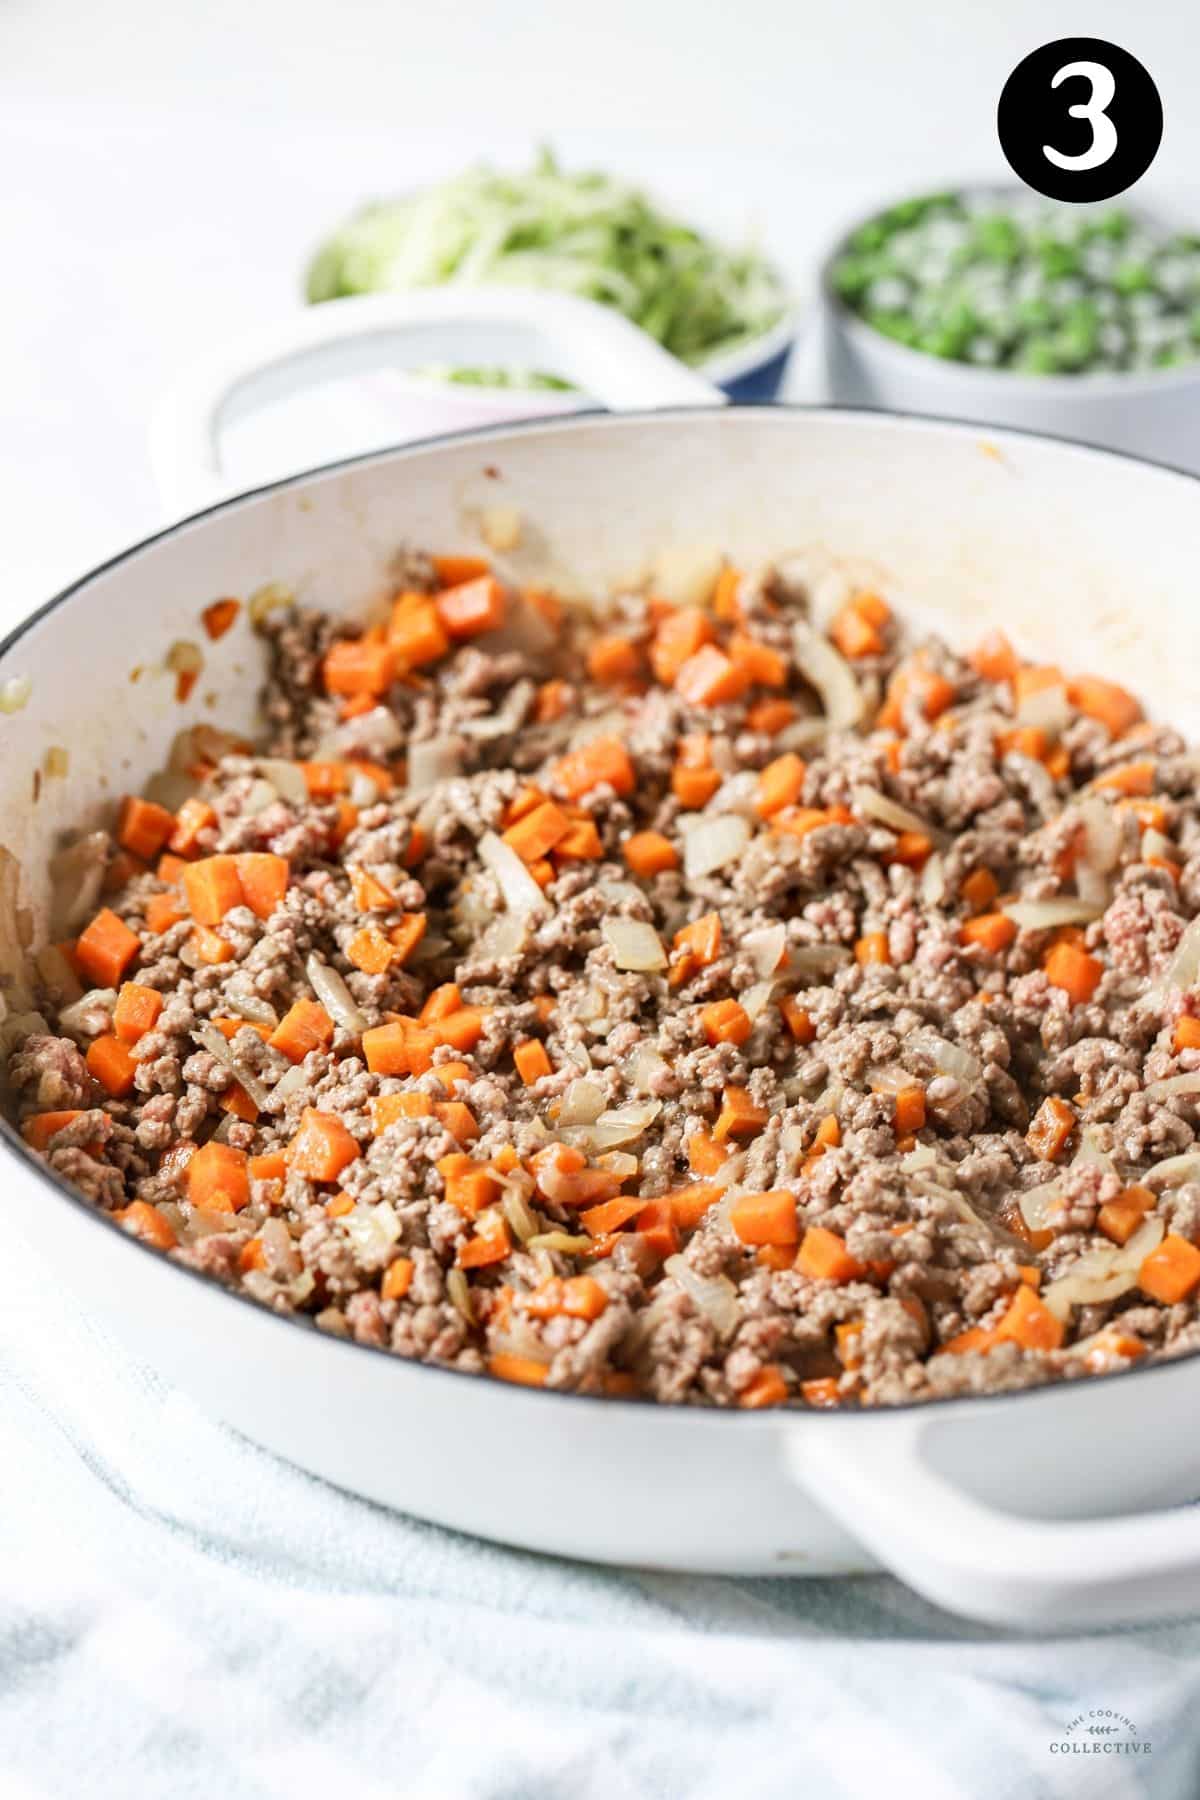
210 1039
334 995
825 669
1046 915
710 843
874 805
635 944
522 895
713 1296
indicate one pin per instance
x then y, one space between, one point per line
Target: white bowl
1155 415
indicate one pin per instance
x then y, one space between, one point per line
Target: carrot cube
212 887
218 1178
136 1010
142 827
532 1062
306 1026
322 1147
264 880
710 678
105 949
471 607
766 1218
824 1257
359 667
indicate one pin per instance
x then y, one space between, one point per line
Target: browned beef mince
900 1263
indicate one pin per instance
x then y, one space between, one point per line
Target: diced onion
217 1045
1041 1207
715 1296
58 975
503 937
947 1058
624 1124
710 843
500 527
1047 709
889 1078
258 796
831 675
518 1213
364 789
874 805
184 657
458 1293
167 787
76 1019
373 1230
334 995
1090 1153
77 876
766 949
562 1241
1101 833
646 1068
432 760
1093 887
1155 844
1046 915
921 1156
15 693
1174 1084
582 1103
634 944
687 575
522 895
250 1006
1039 782
755 1000
1182 970
933 881
816 960
507 718
1104 1274
287 778
267 599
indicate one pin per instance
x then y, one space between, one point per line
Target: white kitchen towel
182 1615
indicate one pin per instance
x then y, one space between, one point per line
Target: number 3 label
1120 120
1094 109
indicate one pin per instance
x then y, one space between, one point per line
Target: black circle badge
1080 119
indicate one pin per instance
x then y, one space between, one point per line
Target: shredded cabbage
583 233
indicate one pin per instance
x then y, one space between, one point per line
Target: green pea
1132 278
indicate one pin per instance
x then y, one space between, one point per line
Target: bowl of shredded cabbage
725 311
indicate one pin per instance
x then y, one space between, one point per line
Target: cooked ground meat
563 994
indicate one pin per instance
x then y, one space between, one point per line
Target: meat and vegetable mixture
680 998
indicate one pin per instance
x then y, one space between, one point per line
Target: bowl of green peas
994 304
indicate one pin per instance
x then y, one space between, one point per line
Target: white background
165 166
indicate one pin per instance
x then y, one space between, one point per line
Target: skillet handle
592 346
877 1476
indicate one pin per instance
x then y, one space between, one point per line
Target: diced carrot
306 1026
370 894
416 635
1150 814
1073 971
656 1228
828 1134
219 617
766 1218
994 658
612 659
766 1387
386 1050
340 1206
345 820
170 869
1051 1129
822 1390
780 784
1111 705
452 571
252 1255
649 853
872 947
532 1061
397 1278
725 1022
452 1075
122 868
701 939
136 1010
208 946
458 1120
218 1178
38 1131
854 634
470 607
979 889
689 1204
357 705
797 1020
405 936
1134 780
522 1370
740 1118
910 1109
229 1027
848 1338
537 832
193 818
824 1257
602 761
770 716
776 1256
1187 1034
1025 740
578 1297
370 951
1030 1323
469 1185
491 1244
264 880
1030 1274
694 788
725 594
1171 1272
547 605
710 678
358 667
105 950
553 698
993 932
976 1337
610 1215
322 1147
911 848
212 887
325 780
441 1003
237 1101
271 1166
1118 1219
463 1029
704 1154
1035 679
762 666
527 800
387 1109
142 827
679 635
144 1221
580 843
